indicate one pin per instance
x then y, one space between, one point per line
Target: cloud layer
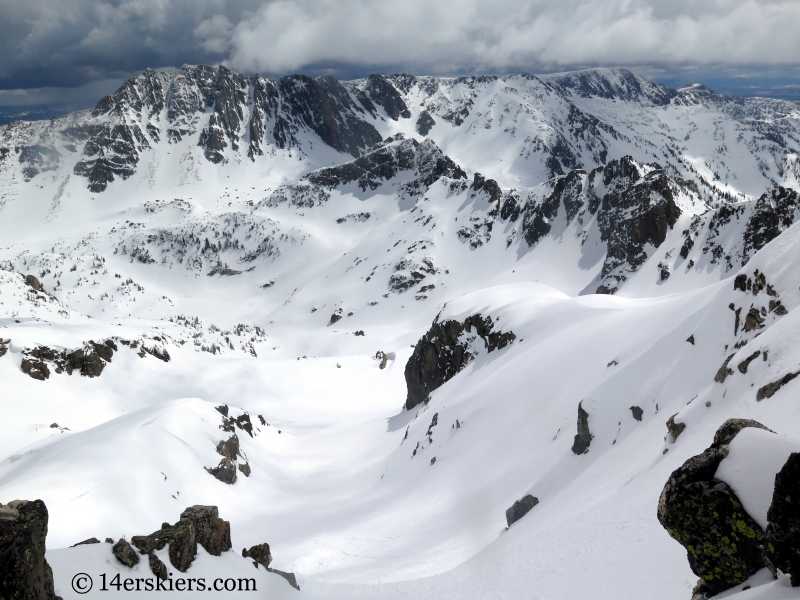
46 43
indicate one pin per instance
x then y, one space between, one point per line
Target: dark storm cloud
47 44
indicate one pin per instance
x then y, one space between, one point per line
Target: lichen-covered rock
24 572
181 538
731 427
584 437
520 508
211 532
125 554
157 566
445 350
704 515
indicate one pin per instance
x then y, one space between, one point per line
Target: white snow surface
236 270
755 458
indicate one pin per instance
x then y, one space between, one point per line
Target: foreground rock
24 572
705 516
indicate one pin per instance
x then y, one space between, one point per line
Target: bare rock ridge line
230 114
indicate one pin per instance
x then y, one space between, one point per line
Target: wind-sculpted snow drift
429 337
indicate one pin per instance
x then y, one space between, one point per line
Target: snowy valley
364 318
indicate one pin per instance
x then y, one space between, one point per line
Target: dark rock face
520 508
724 370
125 554
181 538
567 191
197 525
425 122
240 107
703 514
225 471
489 186
157 567
384 161
638 210
384 94
323 106
211 532
771 388
259 553
637 412
89 361
584 437
32 281
229 448
441 353
24 572
731 427
774 212
783 521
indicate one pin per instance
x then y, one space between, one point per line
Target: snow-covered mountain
398 294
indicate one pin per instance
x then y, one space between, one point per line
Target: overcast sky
73 50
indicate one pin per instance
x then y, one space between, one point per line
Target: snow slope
244 255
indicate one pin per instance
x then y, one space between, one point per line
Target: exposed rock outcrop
211 532
225 471
259 553
386 160
520 508
704 515
182 540
24 572
674 429
90 360
584 437
125 554
446 349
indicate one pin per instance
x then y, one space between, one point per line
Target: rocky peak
611 84
388 158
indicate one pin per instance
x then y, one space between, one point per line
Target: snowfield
639 243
